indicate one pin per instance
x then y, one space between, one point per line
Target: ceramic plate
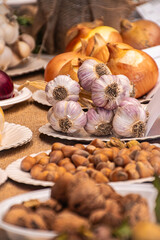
40 97
3 176
20 96
14 232
14 135
31 64
83 136
145 190
15 173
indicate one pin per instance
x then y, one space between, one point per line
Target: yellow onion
75 33
108 33
98 49
140 34
56 63
137 65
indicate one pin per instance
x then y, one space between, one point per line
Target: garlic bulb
130 119
27 39
67 116
109 90
5 58
62 88
89 71
99 122
10 27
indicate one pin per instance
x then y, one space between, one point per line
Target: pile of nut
103 162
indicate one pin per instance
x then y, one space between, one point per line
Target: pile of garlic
115 111
14 47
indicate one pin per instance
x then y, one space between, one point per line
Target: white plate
40 97
30 64
15 233
14 135
3 176
20 96
15 173
48 130
145 190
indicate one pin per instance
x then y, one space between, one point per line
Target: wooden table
33 116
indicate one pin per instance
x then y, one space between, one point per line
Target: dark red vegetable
6 86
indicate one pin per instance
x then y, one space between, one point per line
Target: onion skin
137 65
6 86
140 34
55 64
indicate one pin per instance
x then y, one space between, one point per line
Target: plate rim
34 96
21 71
25 95
44 194
3 176
25 140
60 135
11 174
39 194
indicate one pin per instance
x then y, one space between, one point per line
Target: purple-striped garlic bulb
99 122
130 119
89 71
109 90
67 117
62 88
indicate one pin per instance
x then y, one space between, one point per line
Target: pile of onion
137 65
140 34
6 86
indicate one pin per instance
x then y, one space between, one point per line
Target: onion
108 33
55 64
137 65
6 86
75 33
140 34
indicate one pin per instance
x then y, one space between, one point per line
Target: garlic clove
130 120
2 45
62 88
27 39
89 71
23 49
15 60
5 58
99 122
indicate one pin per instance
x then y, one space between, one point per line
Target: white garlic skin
69 110
10 28
87 73
99 118
111 101
72 89
126 116
5 58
